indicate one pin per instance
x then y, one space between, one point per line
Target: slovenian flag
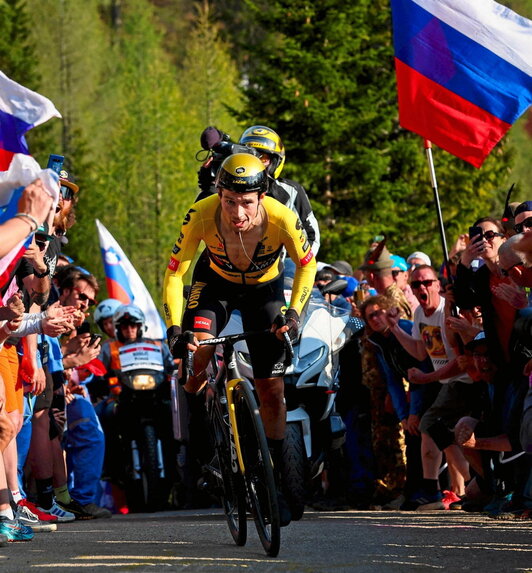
464 72
124 283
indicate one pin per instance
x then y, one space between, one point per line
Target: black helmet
266 140
242 173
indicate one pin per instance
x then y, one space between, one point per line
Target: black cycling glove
291 319
177 341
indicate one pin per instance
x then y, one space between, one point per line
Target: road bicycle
241 465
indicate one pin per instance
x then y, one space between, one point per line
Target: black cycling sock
430 485
276 452
45 492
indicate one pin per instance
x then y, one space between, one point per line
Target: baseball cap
479 339
399 264
419 255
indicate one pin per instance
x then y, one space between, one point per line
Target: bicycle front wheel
258 471
232 490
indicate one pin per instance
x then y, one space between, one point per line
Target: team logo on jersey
166 311
173 264
176 249
306 259
298 224
200 322
195 293
186 220
180 238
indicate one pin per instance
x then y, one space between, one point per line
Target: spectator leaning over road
455 399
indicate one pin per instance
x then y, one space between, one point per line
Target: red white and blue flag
20 110
124 283
464 72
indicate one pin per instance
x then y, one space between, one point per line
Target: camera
220 145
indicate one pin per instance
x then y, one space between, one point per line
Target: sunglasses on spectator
395 273
425 283
375 313
67 193
490 235
84 298
520 226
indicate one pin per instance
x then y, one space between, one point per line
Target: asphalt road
346 541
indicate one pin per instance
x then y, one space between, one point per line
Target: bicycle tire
258 471
231 483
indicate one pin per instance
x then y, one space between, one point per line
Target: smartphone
95 339
475 232
55 162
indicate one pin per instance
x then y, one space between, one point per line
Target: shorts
13 385
454 400
44 400
212 300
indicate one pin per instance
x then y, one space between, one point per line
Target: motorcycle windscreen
141 355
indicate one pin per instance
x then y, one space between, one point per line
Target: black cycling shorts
211 301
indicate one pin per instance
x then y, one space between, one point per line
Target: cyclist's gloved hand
292 321
178 341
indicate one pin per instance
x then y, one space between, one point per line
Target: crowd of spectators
50 439
444 401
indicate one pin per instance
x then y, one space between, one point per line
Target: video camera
220 146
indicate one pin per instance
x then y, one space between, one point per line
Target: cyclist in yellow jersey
244 232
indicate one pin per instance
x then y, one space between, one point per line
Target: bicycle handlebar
188 361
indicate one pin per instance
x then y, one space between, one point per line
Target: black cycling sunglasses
518 228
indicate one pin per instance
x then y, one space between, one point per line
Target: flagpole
428 152
434 183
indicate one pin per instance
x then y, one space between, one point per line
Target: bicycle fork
237 460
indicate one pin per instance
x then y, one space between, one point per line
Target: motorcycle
144 450
314 428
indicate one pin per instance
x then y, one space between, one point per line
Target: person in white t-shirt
456 397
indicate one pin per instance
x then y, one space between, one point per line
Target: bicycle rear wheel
232 488
258 471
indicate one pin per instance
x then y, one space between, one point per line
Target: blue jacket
394 362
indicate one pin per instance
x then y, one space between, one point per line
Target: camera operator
265 144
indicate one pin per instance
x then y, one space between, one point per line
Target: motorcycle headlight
144 382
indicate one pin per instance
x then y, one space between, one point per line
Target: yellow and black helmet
266 140
242 173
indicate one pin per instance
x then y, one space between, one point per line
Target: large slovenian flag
464 72
124 283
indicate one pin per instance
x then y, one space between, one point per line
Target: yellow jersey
283 229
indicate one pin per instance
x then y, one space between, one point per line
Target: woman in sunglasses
476 288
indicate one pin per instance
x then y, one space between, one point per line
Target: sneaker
14 530
498 504
449 497
75 509
423 501
28 518
41 515
96 511
62 515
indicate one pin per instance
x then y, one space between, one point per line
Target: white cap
419 255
